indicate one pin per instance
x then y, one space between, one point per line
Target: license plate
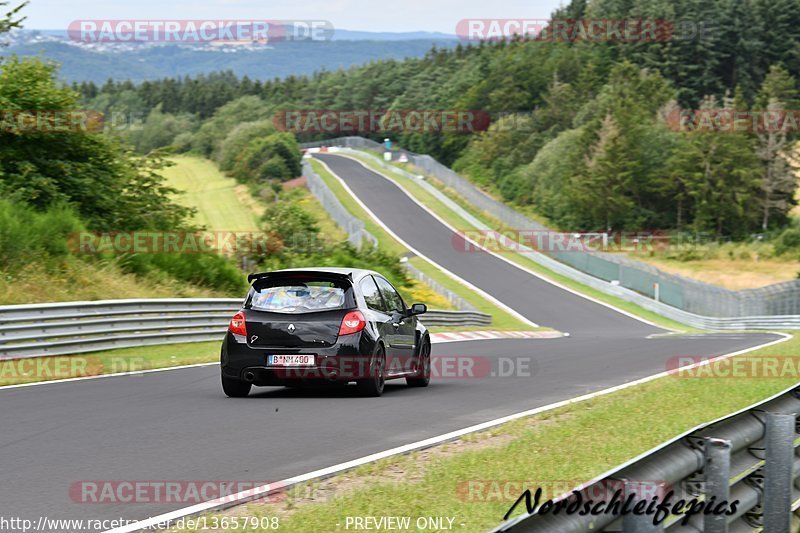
290 360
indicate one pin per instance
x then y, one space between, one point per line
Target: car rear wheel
235 388
373 385
423 376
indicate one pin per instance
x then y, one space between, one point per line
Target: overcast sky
365 15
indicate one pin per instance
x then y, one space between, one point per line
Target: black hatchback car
324 325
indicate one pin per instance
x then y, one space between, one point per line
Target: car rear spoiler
291 273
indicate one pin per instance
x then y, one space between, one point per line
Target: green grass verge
563 447
455 220
18 371
501 320
219 206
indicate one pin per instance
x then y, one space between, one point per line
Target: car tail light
237 324
353 322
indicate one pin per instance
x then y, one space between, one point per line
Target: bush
293 225
274 168
303 244
276 156
788 242
28 236
160 130
210 136
205 268
238 139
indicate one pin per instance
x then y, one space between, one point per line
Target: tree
9 21
603 191
236 141
720 172
159 130
92 172
274 157
778 95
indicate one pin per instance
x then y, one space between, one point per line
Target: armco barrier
685 294
749 457
670 311
354 226
77 327
356 234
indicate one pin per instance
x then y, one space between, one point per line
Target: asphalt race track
178 425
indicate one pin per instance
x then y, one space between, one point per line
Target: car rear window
297 295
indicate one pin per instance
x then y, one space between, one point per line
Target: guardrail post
778 463
638 523
717 471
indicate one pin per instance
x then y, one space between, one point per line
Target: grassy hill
222 204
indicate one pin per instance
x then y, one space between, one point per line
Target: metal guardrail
454 299
769 322
39 330
750 456
353 225
357 234
682 293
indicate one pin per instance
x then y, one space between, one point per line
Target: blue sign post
387 155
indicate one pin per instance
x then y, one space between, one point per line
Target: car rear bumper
347 360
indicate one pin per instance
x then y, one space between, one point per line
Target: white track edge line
416 252
509 261
99 376
166 368
243 496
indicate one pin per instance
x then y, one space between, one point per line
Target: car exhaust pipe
249 377
333 375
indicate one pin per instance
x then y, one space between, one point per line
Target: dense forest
580 129
61 178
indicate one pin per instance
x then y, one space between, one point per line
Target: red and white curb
458 336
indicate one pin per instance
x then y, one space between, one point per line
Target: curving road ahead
177 425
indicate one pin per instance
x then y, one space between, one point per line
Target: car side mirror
418 309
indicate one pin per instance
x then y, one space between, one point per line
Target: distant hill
99 62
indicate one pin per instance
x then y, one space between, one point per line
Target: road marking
436 338
455 277
509 261
439 338
116 375
244 496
